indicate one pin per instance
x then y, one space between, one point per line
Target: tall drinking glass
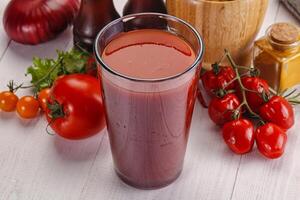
148 119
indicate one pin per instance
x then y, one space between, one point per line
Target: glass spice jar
277 56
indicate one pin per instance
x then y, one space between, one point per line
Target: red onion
36 21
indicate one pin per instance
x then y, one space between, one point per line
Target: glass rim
198 59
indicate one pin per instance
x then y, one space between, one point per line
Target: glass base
146 186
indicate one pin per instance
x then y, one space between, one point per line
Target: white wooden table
36 166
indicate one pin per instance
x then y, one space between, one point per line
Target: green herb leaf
73 61
44 71
39 70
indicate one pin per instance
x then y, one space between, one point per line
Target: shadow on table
78 150
7 115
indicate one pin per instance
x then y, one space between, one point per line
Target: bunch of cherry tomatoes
27 107
248 110
73 106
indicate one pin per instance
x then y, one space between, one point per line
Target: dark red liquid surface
148 123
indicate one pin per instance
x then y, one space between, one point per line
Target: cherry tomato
43 97
258 87
239 135
278 111
76 107
220 110
28 107
217 78
8 101
271 140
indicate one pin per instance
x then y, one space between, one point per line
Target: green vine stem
273 91
243 89
14 87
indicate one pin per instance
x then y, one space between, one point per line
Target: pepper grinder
138 6
92 17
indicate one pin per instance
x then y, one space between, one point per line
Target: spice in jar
277 56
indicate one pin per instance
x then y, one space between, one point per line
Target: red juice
148 120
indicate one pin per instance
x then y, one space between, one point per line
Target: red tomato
239 135
28 107
220 110
278 111
8 101
76 107
217 78
43 98
258 86
271 140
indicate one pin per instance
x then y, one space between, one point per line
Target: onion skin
36 21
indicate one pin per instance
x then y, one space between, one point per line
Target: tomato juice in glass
149 79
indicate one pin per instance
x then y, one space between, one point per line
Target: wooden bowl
231 24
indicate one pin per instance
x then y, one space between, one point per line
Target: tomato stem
230 82
273 91
47 128
242 87
203 71
216 68
56 110
222 59
13 87
254 72
244 67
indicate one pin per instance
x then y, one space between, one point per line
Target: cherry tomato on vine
239 135
28 107
220 110
76 108
218 78
271 140
278 111
43 97
254 97
8 101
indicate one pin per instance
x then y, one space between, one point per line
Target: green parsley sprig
44 71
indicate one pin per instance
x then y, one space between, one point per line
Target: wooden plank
18 57
259 178
292 191
4 40
34 165
292 188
